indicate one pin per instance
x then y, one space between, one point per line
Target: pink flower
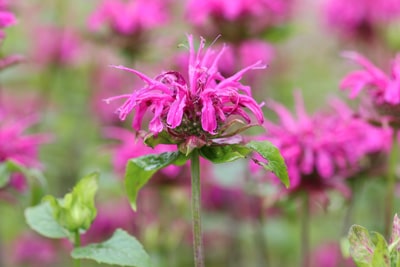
200 106
110 216
18 146
237 56
219 198
324 149
53 45
329 255
130 17
244 54
236 18
383 88
7 18
10 60
360 18
33 250
104 82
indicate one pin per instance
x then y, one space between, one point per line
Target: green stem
305 232
262 241
196 209
391 186
1 251
77 244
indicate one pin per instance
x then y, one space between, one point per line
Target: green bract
76 211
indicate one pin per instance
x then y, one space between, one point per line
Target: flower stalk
196 209
77 244
391 185
305 232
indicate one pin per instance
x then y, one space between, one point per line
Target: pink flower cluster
360 18
323 149
199 106
129 17
383 88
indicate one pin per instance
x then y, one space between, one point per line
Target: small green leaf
35 178
381 256
7 168
275 161
361 246
121 249
140 170
40 218
76 210
224 153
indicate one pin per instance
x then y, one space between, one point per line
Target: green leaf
76 210
121 249
224 153
35 178
381 256
40 218
345 247
275 161
361 246
140 170
7 168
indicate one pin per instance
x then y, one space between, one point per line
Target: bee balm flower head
198 109
384 89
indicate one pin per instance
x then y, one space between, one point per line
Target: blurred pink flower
131 147
216 197
10 60
7 18
244 54
33 250
329 255
324 149
193 110
17 146
383 88
239 19
56 46
103 83
110 216
130 17
360 18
